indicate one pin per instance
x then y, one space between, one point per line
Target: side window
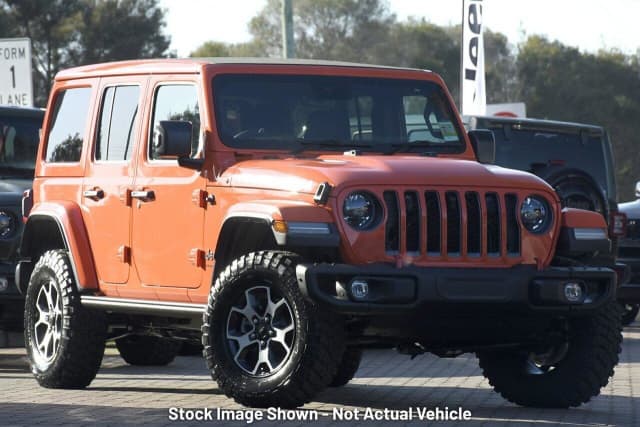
177 102
67 131
118 123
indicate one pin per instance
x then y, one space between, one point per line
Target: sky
589 25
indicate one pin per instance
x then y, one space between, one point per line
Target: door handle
143 194
95 194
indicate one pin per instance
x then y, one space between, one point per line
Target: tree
67 33
119 29
51 27
348 30
212 49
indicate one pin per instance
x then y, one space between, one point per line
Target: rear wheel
64 340
567 373
147 350
265 344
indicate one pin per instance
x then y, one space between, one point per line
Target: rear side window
67 131
177 102
118 123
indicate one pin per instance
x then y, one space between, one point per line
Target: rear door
109 178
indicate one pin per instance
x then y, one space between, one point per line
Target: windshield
19 138
334 114
534 149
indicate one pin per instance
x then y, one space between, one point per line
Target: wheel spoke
281 334
273 307
263 358
243 341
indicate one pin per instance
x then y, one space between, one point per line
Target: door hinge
124 254
125 195
197 257
199 197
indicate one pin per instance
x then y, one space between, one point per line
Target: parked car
629 253
283 213
575 159
19 135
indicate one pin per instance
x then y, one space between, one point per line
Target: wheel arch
57 226
251 227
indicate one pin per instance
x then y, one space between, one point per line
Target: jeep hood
304 175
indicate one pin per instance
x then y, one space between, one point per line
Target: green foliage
67 33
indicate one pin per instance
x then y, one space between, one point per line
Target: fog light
359 289
573 292
4 284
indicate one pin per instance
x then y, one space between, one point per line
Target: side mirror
172 139
638 189
483 145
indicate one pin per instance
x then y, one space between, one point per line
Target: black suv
19 137
575 159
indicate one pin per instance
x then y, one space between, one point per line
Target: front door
167 217
109 177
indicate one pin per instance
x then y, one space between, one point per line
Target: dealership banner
473 98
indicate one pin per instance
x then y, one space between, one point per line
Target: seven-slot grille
451 223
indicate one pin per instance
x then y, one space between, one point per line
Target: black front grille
475 223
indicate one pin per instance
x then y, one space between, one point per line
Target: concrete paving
127 395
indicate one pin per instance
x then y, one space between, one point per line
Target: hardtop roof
195 65
542 124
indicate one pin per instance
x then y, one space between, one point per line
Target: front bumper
422 291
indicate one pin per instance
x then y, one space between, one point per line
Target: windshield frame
296 145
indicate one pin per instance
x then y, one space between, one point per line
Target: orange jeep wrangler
285 214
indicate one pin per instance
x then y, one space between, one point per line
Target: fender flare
271 211
72 234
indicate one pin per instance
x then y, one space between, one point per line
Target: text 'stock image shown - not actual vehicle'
283 213
19 136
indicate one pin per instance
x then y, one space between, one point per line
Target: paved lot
124 395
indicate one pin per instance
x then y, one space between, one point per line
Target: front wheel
65 341
567 373
264 343
348 367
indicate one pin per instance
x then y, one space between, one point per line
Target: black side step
134 306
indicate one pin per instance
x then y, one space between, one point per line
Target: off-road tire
593 349
629 313
79 352
317 346
348 367
147 350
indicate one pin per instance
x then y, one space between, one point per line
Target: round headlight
360 210
535 214
7 225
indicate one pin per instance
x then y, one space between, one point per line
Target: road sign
16 87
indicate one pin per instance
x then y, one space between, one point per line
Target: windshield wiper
313 143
